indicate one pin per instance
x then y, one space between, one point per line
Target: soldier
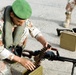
69 8
14 28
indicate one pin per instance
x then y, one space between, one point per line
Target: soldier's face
16 20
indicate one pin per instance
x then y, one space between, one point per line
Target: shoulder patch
29 23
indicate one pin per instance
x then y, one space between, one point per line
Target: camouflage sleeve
34 32
1 27
4 53
1 13
29 29
1 22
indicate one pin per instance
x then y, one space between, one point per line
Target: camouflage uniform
69 8
5 68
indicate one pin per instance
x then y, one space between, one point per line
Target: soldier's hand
48 46
27 64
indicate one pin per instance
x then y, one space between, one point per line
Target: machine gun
38 54
50 55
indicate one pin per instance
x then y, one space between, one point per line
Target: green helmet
22 9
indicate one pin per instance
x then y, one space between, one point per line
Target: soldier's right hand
24 62
27 64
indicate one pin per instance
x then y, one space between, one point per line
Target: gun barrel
59 58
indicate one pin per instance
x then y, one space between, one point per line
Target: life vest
9 38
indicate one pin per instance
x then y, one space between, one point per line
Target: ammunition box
68 40
18 69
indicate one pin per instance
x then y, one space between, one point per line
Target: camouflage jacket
34 32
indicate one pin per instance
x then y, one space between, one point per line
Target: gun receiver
38 54
39 57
